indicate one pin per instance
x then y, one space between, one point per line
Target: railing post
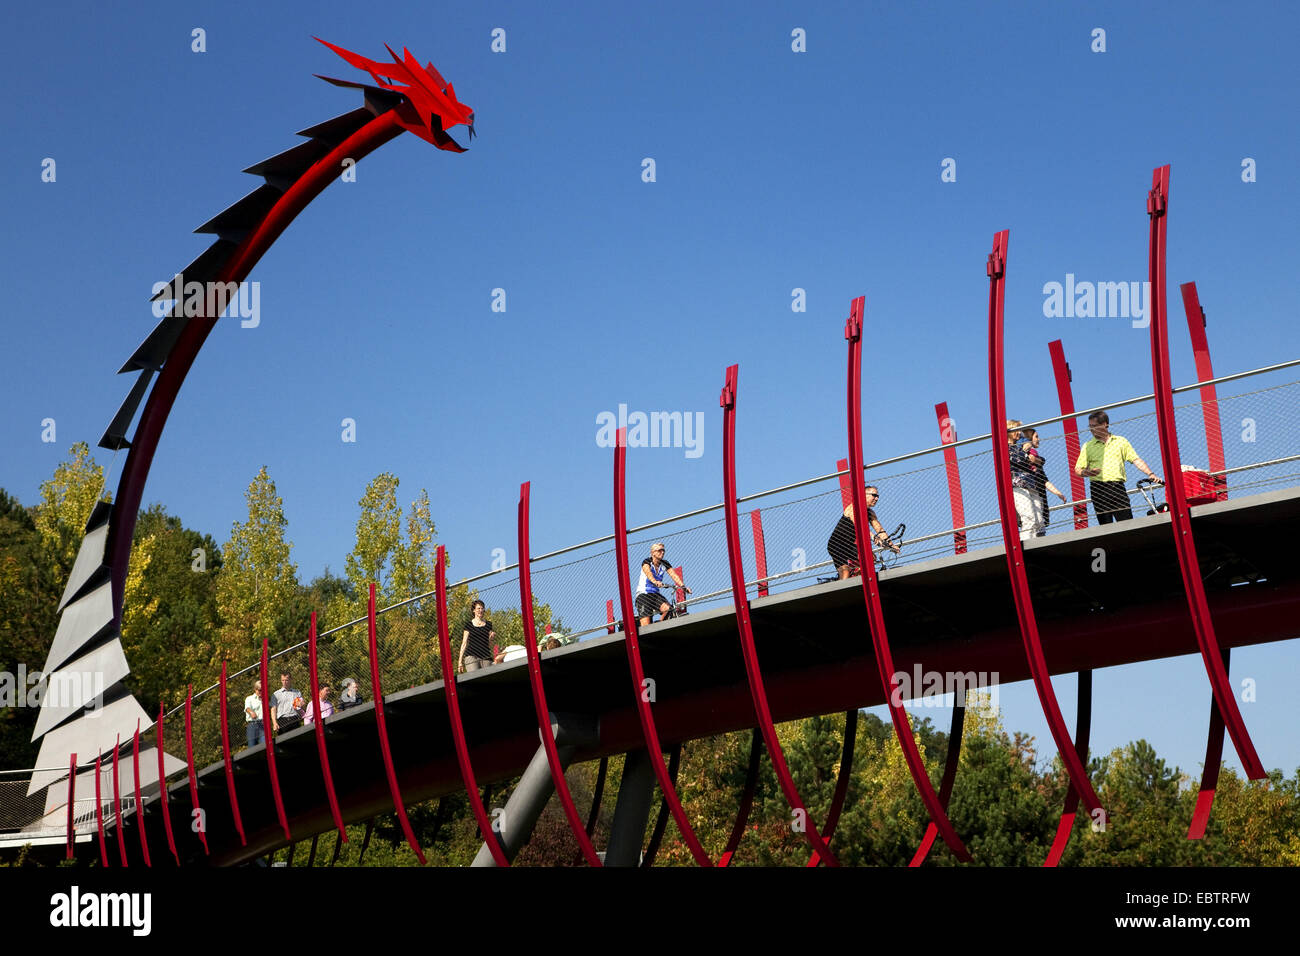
948 435
760 551
1065 395
72 790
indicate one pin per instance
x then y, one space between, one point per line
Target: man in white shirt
286 714
253 716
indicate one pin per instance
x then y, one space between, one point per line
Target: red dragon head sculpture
431 107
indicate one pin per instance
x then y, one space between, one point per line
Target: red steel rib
753 671
198 823
72 790
841 781
1083 719
1180 519
746 799
949 778
539 693
117 803
661 819
871 591
321 751
490 836
948 435
631 641
225 755
162 791
1082 726
1210 775
377 695
139 804
1065 394
1011 535
270 744
99 815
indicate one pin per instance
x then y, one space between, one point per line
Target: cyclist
843 543
652 587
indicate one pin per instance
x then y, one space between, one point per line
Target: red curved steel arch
1210 773
490 836
871 591
99 815
947 437
162 791
197 812
841 781
270 745
631 641
753 672
661 819
1216 464
117 804
139 804
1180 519
599 791
746 798
996 271
1083 714
382 725
321 752
1082 727
955 729
539 693
225 754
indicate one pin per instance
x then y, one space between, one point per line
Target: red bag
1200 487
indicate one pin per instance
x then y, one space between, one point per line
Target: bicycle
886 557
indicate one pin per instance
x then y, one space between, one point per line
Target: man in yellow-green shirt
1102 460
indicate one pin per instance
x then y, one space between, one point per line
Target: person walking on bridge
1102 460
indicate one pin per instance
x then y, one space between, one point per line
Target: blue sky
775 170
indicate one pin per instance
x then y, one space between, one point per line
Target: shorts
648 605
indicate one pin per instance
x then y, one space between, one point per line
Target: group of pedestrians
288 709
1103 460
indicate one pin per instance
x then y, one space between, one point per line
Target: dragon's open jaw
430 106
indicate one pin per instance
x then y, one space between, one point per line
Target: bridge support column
632 811
515 823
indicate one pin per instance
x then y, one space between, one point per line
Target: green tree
30 587
66 502
257 580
